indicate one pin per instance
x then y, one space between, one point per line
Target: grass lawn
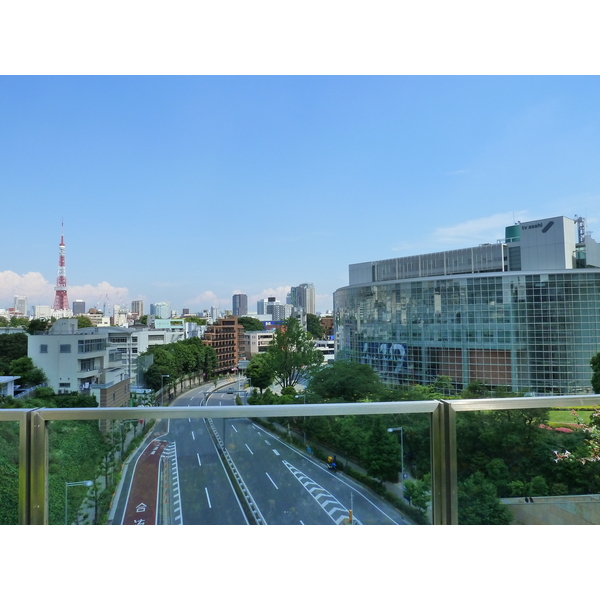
557 418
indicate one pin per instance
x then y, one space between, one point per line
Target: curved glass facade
527 331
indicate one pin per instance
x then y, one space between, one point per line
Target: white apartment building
257 342
92 358
42 312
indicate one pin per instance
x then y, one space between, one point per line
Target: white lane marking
199 461
323 468
268 442
189 420
208 498
301 522
276 453
271 480
249 449
193 436
233 427
328 502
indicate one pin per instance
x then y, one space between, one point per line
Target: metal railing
33 442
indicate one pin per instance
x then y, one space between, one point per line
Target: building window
65 348
43 348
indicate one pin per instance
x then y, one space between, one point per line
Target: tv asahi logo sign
539 225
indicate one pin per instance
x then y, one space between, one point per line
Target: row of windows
544 335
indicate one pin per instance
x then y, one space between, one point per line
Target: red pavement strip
143 493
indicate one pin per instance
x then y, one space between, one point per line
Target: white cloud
486 230
205 300
476 231
40 291
33 285
280 294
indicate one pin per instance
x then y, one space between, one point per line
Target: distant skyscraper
137 307
78 307
162 310
240 305
20 304
303 296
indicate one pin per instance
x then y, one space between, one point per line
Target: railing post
444 486
25 469
38 511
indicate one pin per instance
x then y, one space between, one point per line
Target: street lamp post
162 389
392 429
69 484
303 396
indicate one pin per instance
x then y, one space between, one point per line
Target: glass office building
522 313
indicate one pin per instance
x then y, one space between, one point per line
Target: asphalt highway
287 486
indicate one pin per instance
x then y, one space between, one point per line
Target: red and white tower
61 302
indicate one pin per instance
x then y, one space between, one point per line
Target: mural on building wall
385 358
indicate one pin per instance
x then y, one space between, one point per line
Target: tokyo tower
61 302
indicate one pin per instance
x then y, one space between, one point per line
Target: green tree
38 325
12 346
196 320
314 327
83 321
291 353
474 390
443 385
344 381
538 486
478 503
595 364
260 373
25 369
251 324
19 321
419 491
382 455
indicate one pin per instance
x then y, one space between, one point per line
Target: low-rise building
257 342
7 385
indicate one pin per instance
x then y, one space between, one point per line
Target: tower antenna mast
61 301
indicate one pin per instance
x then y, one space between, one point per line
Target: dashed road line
329 503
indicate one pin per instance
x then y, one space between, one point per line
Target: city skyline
152 175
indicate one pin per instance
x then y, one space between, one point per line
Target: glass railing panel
85 466
10 488
238 471
510 470
316 469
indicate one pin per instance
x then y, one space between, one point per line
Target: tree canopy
83 321
344 381
595 364
179 359
251 324
314 327
259 372
39 325
291 352
12 346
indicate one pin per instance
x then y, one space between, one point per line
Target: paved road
207 496
286 486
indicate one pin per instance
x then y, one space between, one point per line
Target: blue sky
193 188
